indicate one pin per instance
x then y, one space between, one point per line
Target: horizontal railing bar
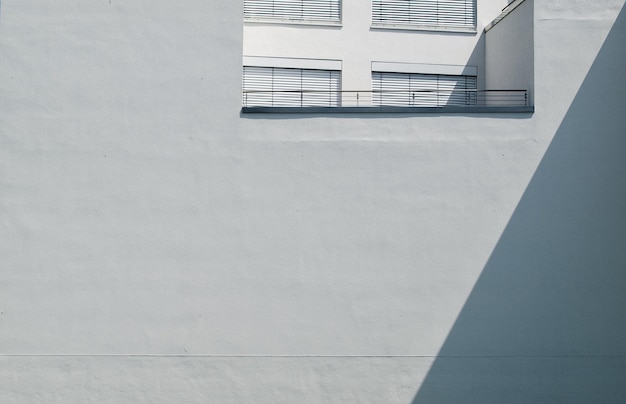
383 98
383 91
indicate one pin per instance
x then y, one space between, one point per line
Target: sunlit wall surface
160 246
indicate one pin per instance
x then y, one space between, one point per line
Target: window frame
423 90
379 24
305 94
285 18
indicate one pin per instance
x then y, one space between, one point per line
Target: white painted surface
357 44
510 51
299 63
142 214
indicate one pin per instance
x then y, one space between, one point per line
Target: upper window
438 14
293 10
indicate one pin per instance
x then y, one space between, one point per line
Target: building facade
381 53
165 241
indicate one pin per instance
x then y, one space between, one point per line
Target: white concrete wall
158 246
357 44
509 55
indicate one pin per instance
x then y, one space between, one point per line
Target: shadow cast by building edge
544 322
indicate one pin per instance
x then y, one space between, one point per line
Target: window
293 10
460 14
290 87
422 90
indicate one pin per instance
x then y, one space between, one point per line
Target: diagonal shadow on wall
546 321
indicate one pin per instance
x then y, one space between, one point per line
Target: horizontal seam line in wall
308 356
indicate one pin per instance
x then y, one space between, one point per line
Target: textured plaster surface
303 258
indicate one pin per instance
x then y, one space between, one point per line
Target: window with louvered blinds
428 13
286 87
293 10
422 90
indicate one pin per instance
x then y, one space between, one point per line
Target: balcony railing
385 98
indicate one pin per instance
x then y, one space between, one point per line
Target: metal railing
386 98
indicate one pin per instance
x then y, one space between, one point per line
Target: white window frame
432 15
285 82
423 85
318 12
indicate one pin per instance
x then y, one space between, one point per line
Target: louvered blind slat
444 13
296 10
284 87
426 90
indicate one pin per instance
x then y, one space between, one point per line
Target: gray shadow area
546 320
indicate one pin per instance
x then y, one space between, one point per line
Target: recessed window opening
425 13
290 87
293 10
422 90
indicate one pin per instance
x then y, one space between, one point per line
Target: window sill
389 110
277 21
415 27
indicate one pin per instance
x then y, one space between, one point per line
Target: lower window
422 90
290 87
